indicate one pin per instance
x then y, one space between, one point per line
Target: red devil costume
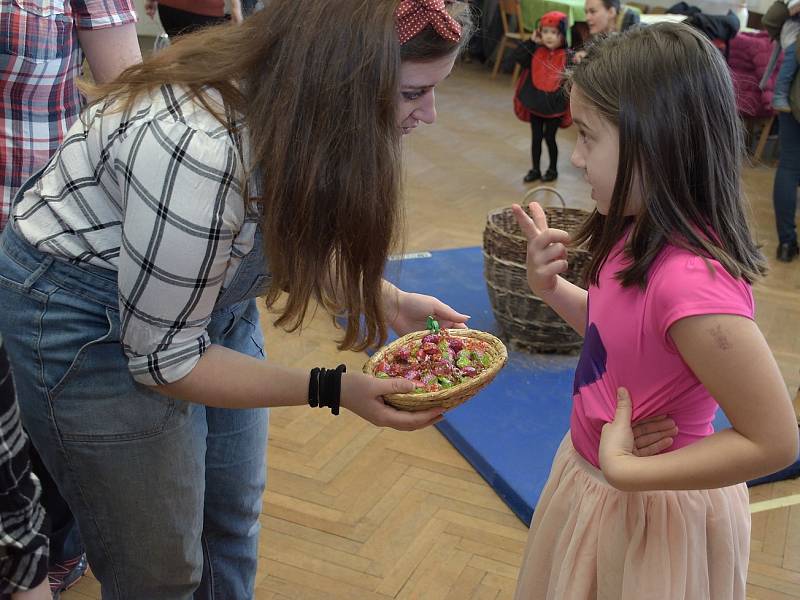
540 97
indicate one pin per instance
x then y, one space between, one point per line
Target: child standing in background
668 327
786 74
540 97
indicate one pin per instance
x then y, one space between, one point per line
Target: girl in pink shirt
668 326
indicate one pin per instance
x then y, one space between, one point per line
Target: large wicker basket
449 397
526 321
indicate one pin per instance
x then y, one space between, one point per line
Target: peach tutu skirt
590 541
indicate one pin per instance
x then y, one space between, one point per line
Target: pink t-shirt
627 344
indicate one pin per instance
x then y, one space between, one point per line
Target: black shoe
532 175
787 252
551 175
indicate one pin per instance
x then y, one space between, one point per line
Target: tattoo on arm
720 338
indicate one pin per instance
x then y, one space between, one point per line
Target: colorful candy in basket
447 366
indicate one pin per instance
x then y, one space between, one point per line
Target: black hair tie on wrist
313 387
325 388
337 389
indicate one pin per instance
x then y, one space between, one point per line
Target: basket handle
545 188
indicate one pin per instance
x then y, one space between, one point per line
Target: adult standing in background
41 57
42 49
605 17
787 175
608 16
787 178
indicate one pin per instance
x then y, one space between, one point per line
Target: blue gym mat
511 430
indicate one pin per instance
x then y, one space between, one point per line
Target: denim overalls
167 493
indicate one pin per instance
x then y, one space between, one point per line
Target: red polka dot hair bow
412 16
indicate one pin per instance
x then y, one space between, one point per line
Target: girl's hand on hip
363 395
547 250
617 442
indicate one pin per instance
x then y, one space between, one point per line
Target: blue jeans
65 539
783 82
787 178
167 494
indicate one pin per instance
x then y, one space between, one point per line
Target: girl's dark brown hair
668 91
317 82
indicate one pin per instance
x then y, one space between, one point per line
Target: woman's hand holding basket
363 395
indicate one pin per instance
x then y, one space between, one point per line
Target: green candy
444 382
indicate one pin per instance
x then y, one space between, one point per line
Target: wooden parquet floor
357 513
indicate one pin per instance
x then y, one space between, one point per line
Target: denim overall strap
252 278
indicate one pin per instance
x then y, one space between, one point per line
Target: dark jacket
719 27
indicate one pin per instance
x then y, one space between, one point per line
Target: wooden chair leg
515 75
762 139
499 57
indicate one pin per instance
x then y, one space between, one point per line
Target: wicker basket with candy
448 366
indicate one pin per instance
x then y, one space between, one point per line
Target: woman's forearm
225 378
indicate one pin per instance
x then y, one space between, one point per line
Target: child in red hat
540 97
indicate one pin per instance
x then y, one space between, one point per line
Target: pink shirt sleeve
686 285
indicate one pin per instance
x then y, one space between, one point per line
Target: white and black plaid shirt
23 535
155 193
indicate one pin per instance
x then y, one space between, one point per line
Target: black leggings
177 22
544 129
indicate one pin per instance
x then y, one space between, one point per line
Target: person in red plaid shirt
42 47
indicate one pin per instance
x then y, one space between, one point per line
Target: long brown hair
317 82
668 91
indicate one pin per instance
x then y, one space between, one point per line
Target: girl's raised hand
363 395
547 250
